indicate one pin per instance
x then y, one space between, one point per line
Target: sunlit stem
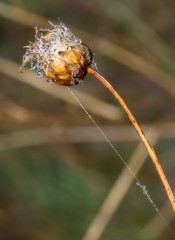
139 131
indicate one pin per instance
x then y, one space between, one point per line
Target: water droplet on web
25 56
80 81
39 73
33 67
94 65
49 80
76 70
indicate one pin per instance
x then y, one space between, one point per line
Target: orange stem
140 132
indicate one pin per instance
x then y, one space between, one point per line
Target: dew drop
80 81
94 65
32 66
68 48
49 80
39 73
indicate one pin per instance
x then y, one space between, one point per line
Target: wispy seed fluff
57 53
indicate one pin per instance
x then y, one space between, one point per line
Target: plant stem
149 149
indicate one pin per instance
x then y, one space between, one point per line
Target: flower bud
59 54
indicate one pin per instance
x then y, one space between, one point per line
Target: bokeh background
59 178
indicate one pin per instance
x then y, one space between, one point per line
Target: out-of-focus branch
141 30
73 134
30 137
11 112
94 105
21 16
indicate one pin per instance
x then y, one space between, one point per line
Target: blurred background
59 178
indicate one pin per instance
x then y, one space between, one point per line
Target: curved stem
149 149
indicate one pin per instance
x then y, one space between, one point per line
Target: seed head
57 53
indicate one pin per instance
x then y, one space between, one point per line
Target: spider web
138 183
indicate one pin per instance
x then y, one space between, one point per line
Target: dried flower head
57 53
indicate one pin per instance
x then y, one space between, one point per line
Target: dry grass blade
91 103
30 137
11 112
111 50
21 16
73 134
116 194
